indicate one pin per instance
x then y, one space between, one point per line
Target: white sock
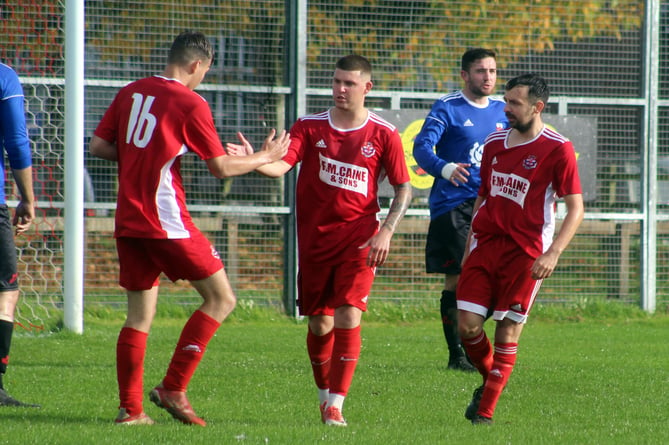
336 400
323 395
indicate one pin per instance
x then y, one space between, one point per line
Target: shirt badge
530 162
368 150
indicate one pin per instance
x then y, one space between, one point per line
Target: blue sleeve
13 121
423 147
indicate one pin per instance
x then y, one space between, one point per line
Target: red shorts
322 288
141 260
497 275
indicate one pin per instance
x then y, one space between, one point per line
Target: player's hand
23 217
456 173
379 246
243 149
276 148
544 265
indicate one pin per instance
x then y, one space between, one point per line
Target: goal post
74 167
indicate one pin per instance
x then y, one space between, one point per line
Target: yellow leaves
150 24
409 40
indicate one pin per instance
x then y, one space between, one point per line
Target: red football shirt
520 185
154 121
338 183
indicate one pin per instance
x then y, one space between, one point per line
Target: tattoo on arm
398 207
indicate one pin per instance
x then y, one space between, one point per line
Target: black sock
449 319
6 330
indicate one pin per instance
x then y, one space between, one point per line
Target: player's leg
507 333
8 300
345 355
352 283
314 287
196 260
139 276
446 239
130 355
9 297
479 350
476 341
474 300
320 341
457 358
219 301
516 291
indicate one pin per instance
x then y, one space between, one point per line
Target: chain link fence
595 56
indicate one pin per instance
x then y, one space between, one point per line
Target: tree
408 39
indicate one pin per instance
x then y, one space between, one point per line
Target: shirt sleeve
567 180
395 162
484 189
297 141
200 133
423 148
13 122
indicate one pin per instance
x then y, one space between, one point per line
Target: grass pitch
579 379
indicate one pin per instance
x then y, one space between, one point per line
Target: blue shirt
13 134
454 131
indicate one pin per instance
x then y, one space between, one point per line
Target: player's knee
219 306
229 301
451 282
469 326
320 325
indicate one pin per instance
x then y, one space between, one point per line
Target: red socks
504 360
194 339
345 354
334 357
479 351
130 351
319 349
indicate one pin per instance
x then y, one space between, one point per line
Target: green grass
585 375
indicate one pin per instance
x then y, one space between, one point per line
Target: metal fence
274 61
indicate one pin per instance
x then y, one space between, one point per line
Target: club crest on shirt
368 150
530 162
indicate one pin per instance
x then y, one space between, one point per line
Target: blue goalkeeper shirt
13 135
454 131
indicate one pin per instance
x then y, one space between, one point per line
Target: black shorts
446 239
8 271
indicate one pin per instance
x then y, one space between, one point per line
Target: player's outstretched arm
242 159
244 148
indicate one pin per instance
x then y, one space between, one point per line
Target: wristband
448 169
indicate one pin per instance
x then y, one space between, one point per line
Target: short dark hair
537 87
354 62
188 47
472 55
